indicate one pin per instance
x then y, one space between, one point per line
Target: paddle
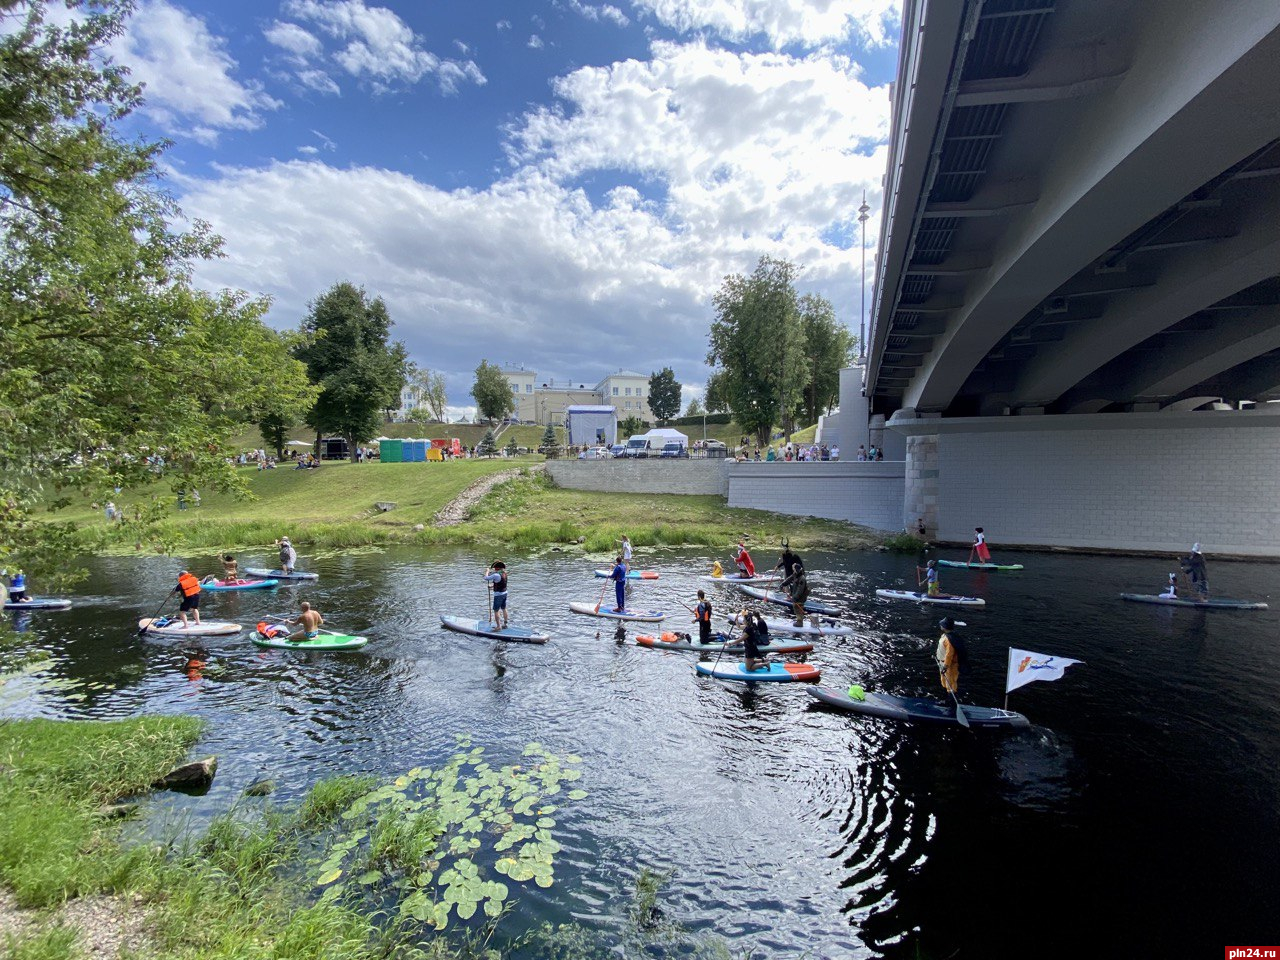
600 599
164 603
963 720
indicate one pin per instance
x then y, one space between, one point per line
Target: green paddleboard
324 642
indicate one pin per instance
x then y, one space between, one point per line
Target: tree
360 372
115 371
492 392
488 445
829 348
664 394
694 409
758 341
275 431
432 395
630 426
512 447
713 393
550 442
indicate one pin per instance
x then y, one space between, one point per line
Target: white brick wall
869 494
650 475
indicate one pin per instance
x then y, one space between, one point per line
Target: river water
1138 816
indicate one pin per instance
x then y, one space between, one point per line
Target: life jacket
501 585
189 585
703 611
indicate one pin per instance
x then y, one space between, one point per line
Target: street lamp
862 317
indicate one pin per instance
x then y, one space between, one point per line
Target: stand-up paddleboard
631 574
777 672
917 708
606 610
324 642
773 596
38 603
946 599
683 642
172 627
980 566
1214 603
826 628
226 585
730 578
262 573
485 628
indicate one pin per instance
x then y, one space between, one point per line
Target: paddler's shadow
1196 633
498 658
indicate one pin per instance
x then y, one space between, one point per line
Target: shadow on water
1132 816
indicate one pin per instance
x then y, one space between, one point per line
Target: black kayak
1214 603
485 628
917 708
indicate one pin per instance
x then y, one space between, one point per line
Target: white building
546 400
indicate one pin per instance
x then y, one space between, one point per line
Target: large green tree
757 341
714 394
433 397
350 356
664 394
115 371
828 348
492 392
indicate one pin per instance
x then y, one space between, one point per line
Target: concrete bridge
1076 317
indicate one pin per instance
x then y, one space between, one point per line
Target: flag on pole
1027 667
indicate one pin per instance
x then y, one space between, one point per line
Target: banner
1027 667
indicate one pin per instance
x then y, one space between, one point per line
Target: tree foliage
487 446
664 394
829 348
432 395
630 426
115 370
492 392
694 409
349 355
714 395
757 341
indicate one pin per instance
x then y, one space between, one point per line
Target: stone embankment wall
869 494
650 475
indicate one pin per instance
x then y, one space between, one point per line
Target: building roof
623 373
589 408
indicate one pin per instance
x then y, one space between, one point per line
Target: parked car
595 453
618 450
674 449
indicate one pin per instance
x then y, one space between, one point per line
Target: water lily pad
577 794
544 880
328 877
546 823
369 876
466 910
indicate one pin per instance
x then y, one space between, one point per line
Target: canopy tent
297 443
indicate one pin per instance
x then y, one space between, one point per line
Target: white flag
1027 667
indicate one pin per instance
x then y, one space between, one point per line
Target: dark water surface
1137 817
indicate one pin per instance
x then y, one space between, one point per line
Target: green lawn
470 434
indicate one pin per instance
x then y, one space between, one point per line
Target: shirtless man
309 620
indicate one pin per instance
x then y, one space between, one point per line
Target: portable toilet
391 451
419 451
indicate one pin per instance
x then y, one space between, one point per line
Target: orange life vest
189 585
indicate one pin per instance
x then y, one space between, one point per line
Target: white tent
297 443
661 435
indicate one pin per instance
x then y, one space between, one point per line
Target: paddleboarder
787 562
288 556
934 588
1193 566
797 584
189 587
743 559
18 588
702 616
497 575
230 568
979 547
626 550
1171 592
619 577
309 620
717 570
755 634
952 658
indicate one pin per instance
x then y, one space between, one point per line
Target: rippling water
1139 813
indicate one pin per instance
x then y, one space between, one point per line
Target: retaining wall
870 494
650 475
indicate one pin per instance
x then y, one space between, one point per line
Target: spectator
835 451
862 453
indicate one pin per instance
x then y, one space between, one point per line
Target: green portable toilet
391 451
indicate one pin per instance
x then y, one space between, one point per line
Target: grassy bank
333 507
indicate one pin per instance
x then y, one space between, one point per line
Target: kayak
1214 603
631 574
325 641
262 573
225 585
980 566
682 641
828 629
777 672
773 596
606 610
734 578
484 628
945 599
38 603
917 708
174 628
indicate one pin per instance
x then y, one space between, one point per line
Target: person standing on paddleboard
702 616
288 556
309 620
952 657
1194 567
796 583
788 562
934 588
980 546
619 577
497 575
743 559
626 550
189 587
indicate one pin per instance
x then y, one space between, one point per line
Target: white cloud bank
809 23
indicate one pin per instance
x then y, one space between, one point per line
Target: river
1138 816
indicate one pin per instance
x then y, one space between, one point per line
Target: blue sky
561 183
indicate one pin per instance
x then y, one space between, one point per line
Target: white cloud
503 25
293 39
783 22
376 46
604 11
309 150
189 76
535 42
318 81
721 158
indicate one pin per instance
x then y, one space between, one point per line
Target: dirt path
459 508
106 925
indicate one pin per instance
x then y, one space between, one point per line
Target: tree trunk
351 449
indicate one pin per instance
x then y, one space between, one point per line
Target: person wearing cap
743 559
497 576
1193 566
288 556
934 588
952 657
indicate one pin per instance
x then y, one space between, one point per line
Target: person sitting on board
1195 568
288 556
980 546
743 559
702 615
497 575
230 568
952 658
755 634
619 577
189 587
18 588
717 570
1171 593
934 588
309 620
797 584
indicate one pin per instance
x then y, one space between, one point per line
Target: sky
558 183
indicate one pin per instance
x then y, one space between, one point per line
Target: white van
637 446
